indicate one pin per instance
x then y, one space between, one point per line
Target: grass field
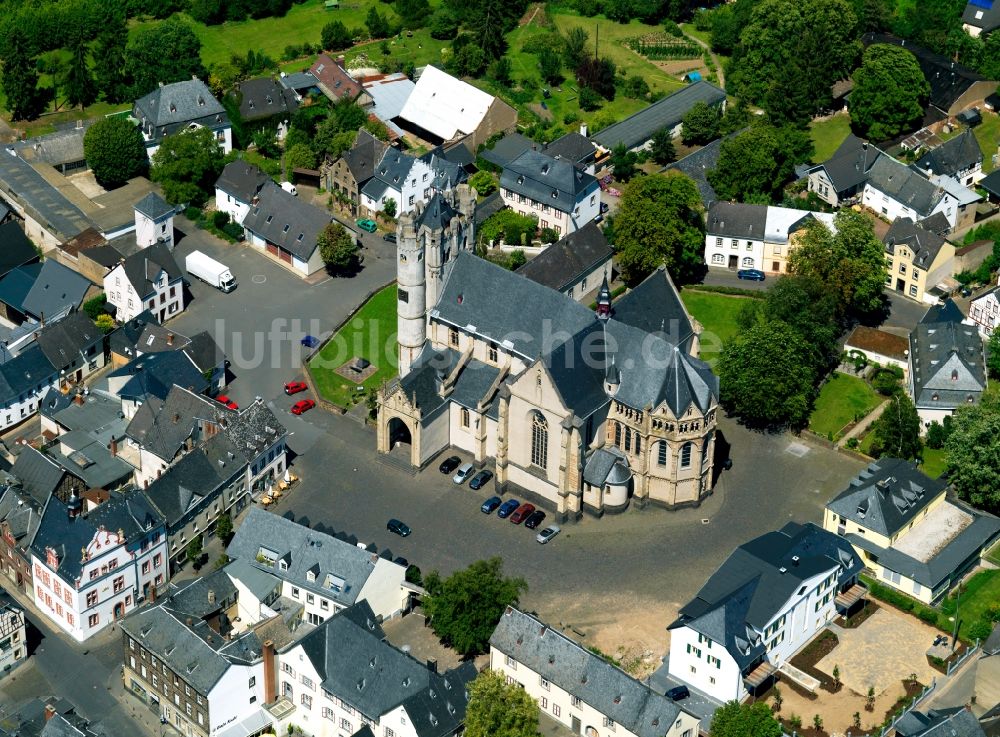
827 135
717 314
982 590
988 135
934 463
841 399
994 554
370 334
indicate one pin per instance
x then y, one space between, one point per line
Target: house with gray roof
237 187
24 380
154 221
173 108
55 291
578 688
960 157
152 376
319 571
507 148
907 532
149 279
771 597
400 177
349 173
348 672
13 643
553 190
73 345
919 261
575 265
264 99
285 228
697 165
895 190
981 17
843 175
574 147
955 722
20 513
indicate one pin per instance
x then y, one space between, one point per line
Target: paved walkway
863 424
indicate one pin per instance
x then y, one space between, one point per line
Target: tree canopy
465 607
499 709
187 165
897 430
701 123
662 149
20 78
758 162
745 720
889 93
973 452
167 52
658 222
335 36
337 247
115 151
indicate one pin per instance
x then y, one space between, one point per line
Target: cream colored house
579 689
918 261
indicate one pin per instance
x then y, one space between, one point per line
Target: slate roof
154 207
490 205
172 107
655 306
58 148
955 155
507 149
697 165
39 475
554 182
124 339
56 290
15 248
982 14
24 374
163 428
991 183
734 220
389 173
758 579
569 259
21 512
143 268
936 223
154 374
203 351
356 664
88 459
607 465
68 339
445 173
156 338
254 429
564 663
341 569
886 496
298 81
41 199
924 244
264 98
242 180
849 166
332 80
572 147
96 412
954 722
364 155
639 127
905 185
947 311
14 287
991 646
947 367
286 221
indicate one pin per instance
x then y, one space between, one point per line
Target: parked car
223 399
400 528
534 519
463 473
507 508
303 405
389 237
401 561
547 534
522 513
290 188
368 225
491 504
480 480
678 692
449 464
310 341
751 274
294 387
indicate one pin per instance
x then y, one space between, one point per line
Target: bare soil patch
680 67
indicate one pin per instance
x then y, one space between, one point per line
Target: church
576 410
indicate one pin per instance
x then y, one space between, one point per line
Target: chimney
340 61
583 129
78 399
50 711
170 338
211 596
432 665
114 447
270 687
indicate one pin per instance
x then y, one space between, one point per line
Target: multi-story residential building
578 688
236 188
13 643
147 280
960 157
19 516
559 194
344 676
985 311
918 260
843 175
318 571
259 438
174 108
400 177
894 190
348 174
154 221
906 531
764 603
92 569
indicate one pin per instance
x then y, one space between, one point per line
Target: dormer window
173 108
282 565
269 217
201 101
285 229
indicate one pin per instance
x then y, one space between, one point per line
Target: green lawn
370 334
982 590
841 399
988 135
703 36
717 314
994 554
935 462
827 135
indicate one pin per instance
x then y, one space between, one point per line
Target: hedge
735 291
906 603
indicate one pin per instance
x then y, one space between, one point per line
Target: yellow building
918 260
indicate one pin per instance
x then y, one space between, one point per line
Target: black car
400 528
389 237
480 479
534 519
450 464
678 692
401 561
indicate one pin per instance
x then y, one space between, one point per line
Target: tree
483 182
500 71
759 161
167 52
187 165
993 355
105 323
224 527
489 21
78 84
889 93
589 100
744 720
376 23
662 150
766 376
897 430
635 87
390 207
623 163
109 57
115 151
659 221
465 607
598 75
701 123
194 550
413 12
550 66
20 77
95 306
576 47
443 25
299 156
499 709
973 452
337 247
335 36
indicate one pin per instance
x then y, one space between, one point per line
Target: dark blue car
490 504
480 479
507 508
751 274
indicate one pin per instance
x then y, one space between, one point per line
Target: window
913 290
295 592
252 682
609 723
556 711
686 455
93 620
510 662
718 242
902 268
692 650
575 701
539 440
403 295
389 732
346 724
91 598
544 702
618 435
410 201
748 262
286 668
119 584
308 683
465 417
453 336
145 567
157 559
307 701
543 683
491 353
734 243
718 258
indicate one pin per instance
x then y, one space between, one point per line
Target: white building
237 187
400 177
91 570
13 644
894 190
984 311
559 194
147 280
578 688
154 221
174 108
769 599
285 228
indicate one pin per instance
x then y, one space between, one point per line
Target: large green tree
889 93
993 355
337 248
701 123
973 452
78 83
662 149
335 36
109 58
167 52
659 221
115 151
766 376
897 429
20 77
465 607
744 720
757 163
499 709
187 165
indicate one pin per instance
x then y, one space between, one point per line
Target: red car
303 405
223 399
294 387
522 513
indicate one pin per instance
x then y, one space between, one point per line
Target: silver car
547 534
463 473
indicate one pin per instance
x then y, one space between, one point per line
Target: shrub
927 615
220 219
980 630
885 383
192 213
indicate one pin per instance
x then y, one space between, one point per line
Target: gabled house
285 228
957 721
980 17
173 108
237 187
154 221
347 175
40 477
960 157
333 81
13 642
576 148
905 530
984 311
555 191
19 516
55 291
895 190
264 99
149 279
918 261
843 175
74 346
579 689
770 598
947 365
151 378
575 265
24 379
400 177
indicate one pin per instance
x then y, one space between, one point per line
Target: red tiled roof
878 341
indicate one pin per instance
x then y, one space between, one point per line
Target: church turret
411 296
604 300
